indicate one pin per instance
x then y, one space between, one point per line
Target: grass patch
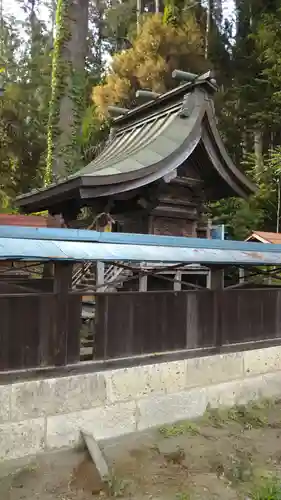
116 487
179 429
267 488
183 496
236 468
252 416
249 417
216 417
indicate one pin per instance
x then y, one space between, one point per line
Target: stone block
21 439
136 382
222 394
5 399
236 392
271 386
210 370
104 422
58 395
259 361
78 392
29 400
168 408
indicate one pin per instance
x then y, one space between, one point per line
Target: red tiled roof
265 237
23 220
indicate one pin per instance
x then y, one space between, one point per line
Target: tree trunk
139 13
68 89
258 149
208 27
278 205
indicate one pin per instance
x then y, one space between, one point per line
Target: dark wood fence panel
29 336
74 322
137 323
248 315
25 323
202 325
35 331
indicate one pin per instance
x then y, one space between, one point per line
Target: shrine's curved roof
148 143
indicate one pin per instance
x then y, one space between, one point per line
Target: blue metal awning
42 250
82 235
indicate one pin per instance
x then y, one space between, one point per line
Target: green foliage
268 488
94 133
23 112
174 12
179 429
169 16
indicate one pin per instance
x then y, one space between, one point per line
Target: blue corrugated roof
42 249
80 235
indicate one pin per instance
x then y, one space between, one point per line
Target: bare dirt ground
228 454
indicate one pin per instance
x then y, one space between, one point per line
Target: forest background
61 70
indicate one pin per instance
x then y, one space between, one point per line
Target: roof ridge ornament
116 110
148 95
185 76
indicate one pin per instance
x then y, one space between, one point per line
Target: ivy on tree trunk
68 89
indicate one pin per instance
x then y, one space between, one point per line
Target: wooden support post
177 283
143 283
215 279
215 282
62 285
100 268
53 221
241 275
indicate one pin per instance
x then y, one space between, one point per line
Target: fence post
177 282
215 282
143 283
62 285
215 279
100 268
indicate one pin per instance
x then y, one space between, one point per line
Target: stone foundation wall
41 415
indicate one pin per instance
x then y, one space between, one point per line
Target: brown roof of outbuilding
23 220
265 237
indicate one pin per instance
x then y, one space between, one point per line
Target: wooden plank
101 327
74 328
46 325
191 321
174 325
4 333
18 327
29 316
62 285
119 325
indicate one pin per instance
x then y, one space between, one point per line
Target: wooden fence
35 331
136 323
43 329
